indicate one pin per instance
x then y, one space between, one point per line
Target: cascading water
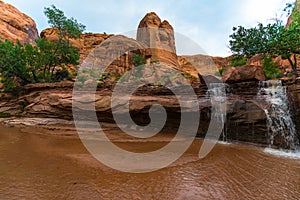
217 94
281 128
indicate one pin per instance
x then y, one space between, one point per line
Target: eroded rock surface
159 37
243 73
86 43
15 25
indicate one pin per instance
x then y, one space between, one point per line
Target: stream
43 166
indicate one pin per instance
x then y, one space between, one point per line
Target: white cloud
209 23
254 11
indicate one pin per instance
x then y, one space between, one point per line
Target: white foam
224 143
283 153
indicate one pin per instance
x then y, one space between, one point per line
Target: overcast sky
207 22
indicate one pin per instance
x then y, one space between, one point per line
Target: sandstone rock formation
159 37
151 33
283 65
15 25
98 49
86 43
246 121
187 66
115 56
243 73
204 64
258 60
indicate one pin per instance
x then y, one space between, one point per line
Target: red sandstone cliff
15 25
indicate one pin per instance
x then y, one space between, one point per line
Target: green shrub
220 71
104 76
4 115
138 60
82 78
269 67
290 75
78 84
155 62
187 76
238 61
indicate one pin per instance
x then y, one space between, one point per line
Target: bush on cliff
220 71
270 69
238 61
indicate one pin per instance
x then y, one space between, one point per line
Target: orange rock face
243 73
202 64
15 25
86 43
159 37
283 65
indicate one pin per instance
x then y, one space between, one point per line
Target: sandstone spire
159 37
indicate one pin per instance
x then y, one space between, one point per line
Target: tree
68 28
22 64
63 51
13 65
270 40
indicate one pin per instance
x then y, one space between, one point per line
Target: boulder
243 73
15 25
255 60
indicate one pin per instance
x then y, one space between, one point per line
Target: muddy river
49 166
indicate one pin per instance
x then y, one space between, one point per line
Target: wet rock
37 122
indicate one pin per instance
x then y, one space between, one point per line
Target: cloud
266 11
208 23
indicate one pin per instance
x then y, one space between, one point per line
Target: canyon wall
15 25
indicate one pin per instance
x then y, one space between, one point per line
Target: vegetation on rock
138 60
22 64
269 67
220 71
238 61
68 28
270 40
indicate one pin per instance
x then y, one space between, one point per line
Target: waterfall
217 94
281 128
